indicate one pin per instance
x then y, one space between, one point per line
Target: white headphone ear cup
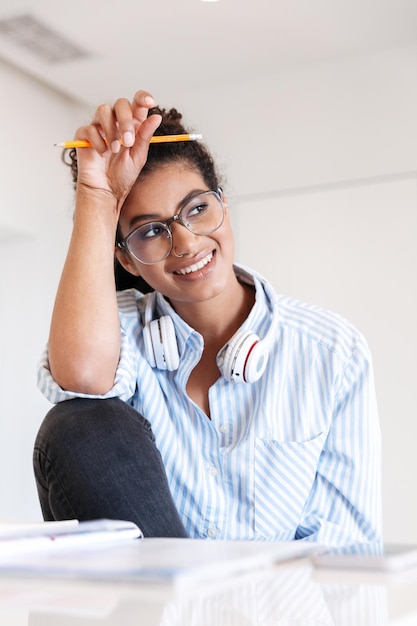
150 356
169 342
161 344
256 362
234 359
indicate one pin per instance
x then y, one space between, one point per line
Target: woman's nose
184 242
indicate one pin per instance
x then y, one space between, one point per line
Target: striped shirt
294 455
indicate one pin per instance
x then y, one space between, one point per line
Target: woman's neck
219 318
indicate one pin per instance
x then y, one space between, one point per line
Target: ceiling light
28 32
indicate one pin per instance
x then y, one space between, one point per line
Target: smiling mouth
196 266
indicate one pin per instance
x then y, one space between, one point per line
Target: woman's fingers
119 125
124 119
141 103
105 121
115 124
94 135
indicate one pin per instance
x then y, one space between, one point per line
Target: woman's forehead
162 191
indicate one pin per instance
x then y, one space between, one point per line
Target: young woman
211 406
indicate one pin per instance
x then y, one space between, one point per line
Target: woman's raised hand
119 137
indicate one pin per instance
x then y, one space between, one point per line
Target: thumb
147 128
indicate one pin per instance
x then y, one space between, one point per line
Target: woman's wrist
94 195
100 203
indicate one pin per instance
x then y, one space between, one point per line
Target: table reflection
288 595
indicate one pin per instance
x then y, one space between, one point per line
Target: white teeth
196 266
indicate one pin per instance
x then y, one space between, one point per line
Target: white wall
291 145
35 218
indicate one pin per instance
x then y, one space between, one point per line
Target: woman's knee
98 458
81 419
82 432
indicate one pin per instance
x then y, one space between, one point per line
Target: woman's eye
196 209
150 231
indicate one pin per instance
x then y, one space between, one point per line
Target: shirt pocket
284 476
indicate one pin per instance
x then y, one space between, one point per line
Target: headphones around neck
243 359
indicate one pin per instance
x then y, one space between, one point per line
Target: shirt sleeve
124 382
344 505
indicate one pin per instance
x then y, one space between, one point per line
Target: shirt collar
258 319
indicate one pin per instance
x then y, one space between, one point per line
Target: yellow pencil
83 143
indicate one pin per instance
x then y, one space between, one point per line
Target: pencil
84 143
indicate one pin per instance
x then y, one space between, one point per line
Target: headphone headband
242 359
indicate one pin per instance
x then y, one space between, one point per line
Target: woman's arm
84 342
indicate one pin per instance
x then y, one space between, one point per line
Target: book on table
117 550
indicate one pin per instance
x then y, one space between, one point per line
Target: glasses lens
203 214
150 243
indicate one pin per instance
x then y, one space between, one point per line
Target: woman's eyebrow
189 197
149 217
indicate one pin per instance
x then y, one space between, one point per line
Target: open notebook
110 550
25 538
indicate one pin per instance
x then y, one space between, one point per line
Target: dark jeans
98 459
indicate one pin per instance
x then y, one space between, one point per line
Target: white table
292 594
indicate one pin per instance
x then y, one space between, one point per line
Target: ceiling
172 45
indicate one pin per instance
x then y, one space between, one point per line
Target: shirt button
212 471
212 532
223 428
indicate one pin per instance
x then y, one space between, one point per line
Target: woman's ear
126 261
225 207
224 200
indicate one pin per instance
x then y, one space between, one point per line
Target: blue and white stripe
295 455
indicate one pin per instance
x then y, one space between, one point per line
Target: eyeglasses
151 243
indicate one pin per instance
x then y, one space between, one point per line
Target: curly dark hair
193 154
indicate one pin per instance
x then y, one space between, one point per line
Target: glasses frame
124 244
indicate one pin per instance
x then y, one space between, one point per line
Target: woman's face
208 259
